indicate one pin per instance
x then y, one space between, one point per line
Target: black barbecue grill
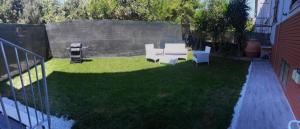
76 53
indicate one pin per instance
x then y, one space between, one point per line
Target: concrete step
56 123
13 123
11 111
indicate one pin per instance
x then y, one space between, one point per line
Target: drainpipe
283 11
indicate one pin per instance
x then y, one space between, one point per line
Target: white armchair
152 53
202 56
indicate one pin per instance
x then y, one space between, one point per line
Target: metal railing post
10 79
4 113
46 92
40 97
31 88
25 97
39 87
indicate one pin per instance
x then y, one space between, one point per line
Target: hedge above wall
110 37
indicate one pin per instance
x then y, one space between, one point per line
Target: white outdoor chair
202 56
152 53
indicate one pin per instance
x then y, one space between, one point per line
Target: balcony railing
30 105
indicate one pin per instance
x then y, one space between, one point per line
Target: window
294 4
284 72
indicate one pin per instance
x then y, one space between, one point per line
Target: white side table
168 60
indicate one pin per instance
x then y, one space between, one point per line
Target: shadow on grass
170 97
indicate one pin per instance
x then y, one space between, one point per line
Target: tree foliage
218 17
211 20
52 11
238 16
44 11
250 25
101 9
74 9
31 13
10 10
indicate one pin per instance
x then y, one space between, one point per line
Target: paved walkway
264 105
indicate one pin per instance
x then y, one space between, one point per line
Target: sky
252 6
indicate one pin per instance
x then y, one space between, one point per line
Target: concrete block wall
107 38
104 38
31 37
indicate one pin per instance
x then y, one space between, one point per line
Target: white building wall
284 12
263 16
267 11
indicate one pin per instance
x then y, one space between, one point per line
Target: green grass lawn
131 93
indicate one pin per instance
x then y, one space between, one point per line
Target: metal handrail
43 100
18 47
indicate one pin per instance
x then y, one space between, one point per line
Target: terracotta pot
252 49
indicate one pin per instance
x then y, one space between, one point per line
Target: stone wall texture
31 37
107 38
